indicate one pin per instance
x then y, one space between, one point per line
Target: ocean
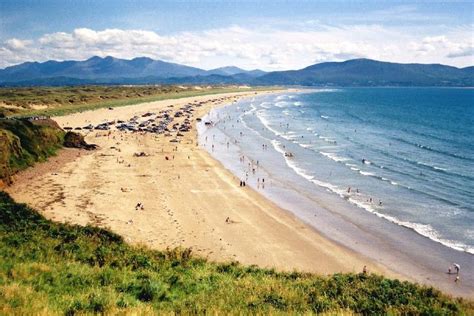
404 155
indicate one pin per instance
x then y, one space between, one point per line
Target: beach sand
186 199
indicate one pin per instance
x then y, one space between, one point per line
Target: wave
327 139
431 149
422 229
325 117
399 170
265 105
424 164
297 103
303 173
323 90
281 97
334 157
281 104
266 123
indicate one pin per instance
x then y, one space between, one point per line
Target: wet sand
189 199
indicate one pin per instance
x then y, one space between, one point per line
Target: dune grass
55 101
23 143
52 268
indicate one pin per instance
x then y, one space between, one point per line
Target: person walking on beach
457 267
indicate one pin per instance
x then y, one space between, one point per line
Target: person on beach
457 267
364 270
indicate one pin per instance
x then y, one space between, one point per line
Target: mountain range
143 70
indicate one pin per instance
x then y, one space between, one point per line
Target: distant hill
232 70
107 70
366 72
97 67
143 70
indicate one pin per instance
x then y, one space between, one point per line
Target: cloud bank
265 48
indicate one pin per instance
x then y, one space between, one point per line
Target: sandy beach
188 198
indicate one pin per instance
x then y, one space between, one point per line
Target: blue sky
250 34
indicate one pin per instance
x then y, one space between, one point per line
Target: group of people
456 268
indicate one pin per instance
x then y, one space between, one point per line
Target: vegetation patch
53 268
54 101
24 142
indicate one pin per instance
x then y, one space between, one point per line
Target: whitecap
334 157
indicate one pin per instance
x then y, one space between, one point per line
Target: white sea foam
325 117
265 105
431 166
422 229
265 123
297 103
281 104
334 157
365 173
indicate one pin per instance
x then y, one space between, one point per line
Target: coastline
397 247
187 200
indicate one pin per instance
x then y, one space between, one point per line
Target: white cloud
15 44
265 48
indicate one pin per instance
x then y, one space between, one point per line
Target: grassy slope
47 267
65 100
23 143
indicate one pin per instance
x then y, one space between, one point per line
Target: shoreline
97 189
401 249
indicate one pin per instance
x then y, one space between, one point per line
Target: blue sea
406 155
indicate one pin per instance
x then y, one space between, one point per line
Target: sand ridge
186 198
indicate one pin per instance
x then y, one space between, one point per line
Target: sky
268 35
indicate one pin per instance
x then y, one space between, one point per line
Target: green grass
23 143
52 268
66 100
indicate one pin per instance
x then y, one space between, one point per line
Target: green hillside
51 268
22 143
